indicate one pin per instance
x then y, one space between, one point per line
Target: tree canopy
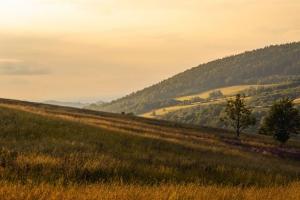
282 121
238 116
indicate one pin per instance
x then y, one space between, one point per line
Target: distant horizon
86 99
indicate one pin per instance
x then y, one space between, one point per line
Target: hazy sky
91 49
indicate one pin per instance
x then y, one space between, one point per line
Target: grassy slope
165 110
45 148
297 101
232 90
225 90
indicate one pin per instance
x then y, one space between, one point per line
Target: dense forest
272 64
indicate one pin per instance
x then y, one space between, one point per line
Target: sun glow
13 8
29 15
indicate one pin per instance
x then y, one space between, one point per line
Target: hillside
63 152
259 99
202 98
69 104
269 65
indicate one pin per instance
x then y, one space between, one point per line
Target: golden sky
88 50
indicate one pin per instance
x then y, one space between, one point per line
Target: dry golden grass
297 101
164 110
64 153
225 90
47 191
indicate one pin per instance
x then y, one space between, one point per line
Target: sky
89 50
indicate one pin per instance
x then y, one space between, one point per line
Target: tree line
282 120
261 100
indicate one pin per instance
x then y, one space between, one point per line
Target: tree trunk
238 133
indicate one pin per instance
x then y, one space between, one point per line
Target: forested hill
271 64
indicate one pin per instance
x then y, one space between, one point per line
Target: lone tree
153 113
282 121
238 116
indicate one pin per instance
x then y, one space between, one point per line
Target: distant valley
71 104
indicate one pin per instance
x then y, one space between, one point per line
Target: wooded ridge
268 65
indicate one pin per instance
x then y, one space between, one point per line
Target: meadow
52 152
165 110
232 90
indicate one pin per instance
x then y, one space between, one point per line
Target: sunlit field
225 90
165 110
137 191
297 101
52 152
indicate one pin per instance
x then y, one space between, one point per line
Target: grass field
45 191
297 101
225 90
52 152
165 110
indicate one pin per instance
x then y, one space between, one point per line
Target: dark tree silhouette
238 116
282 121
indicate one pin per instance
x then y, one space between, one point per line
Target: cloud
17 67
